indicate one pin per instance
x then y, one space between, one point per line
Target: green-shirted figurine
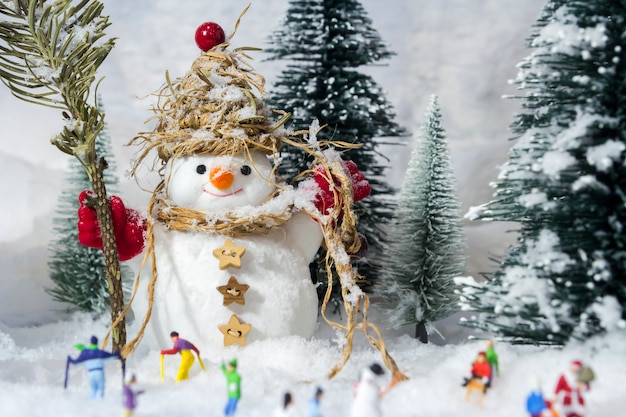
233 386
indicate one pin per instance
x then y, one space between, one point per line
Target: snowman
228 243
368 393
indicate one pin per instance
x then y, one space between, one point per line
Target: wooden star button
235 331
229 255
233 292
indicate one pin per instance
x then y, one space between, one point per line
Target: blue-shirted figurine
93 359
314 404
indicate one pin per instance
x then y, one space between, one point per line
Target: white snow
603 156
557 158
42 70
553 162
609 313
565 36
33 361
589 181
523 284
474 212
535 198
543 253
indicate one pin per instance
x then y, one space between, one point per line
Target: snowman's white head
209 182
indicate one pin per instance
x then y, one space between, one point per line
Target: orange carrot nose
221 178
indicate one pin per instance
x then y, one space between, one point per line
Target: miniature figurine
480 379
183 347
586 376
314 404
569 390
481 371
287 408
367 396
492 358
551 412
233 386
93 359
535 403
130 395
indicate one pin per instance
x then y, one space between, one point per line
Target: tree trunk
111 256
421 333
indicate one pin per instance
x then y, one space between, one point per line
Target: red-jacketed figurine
481 370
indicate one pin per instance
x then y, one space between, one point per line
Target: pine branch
50 54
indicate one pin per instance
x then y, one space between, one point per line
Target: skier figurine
130 394
221 222
367 397
314 404
93 359
569 391
233 387
183 347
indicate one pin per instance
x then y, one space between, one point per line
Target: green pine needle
50 53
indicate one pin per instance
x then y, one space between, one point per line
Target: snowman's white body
281 299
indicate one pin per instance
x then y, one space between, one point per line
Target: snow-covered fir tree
324 41
77 271
425 251
565 183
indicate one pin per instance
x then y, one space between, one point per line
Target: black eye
201 169
245 170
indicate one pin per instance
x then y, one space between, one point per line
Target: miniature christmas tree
426 241
51 53
564 183
324 42
77 271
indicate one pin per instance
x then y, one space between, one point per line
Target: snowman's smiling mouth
223 195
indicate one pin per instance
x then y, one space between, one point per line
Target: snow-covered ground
32 363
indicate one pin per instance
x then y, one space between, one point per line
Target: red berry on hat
208 35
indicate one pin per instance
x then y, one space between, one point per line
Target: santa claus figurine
569 391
